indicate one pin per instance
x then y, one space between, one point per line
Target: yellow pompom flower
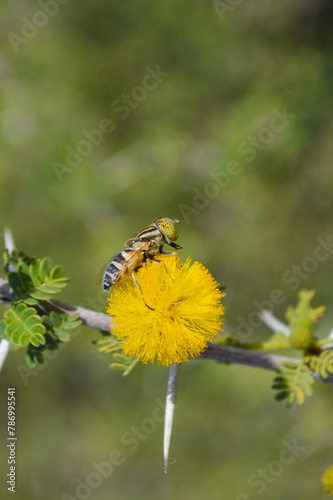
171 315
327 480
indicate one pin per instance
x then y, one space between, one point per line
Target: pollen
171 315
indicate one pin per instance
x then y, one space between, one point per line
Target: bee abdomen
108 281
114 268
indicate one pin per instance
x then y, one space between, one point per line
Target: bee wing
102 271
136 244
130 242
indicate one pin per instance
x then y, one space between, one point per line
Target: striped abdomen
124 263
120 266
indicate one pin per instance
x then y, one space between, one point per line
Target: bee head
167 228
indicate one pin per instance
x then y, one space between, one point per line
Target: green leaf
118 366
73 318
55 318
58 283
280 385
51 342
131 366
322 365
69 325
307 389
5 259
28 300
41 295
15 283
45 267
47 288
290 364
59 324
56 272
121 358
47 320
110 348
2 328
24 326
24 276
281 395
34 273
293 382
109 344
61 334
33 357
44 291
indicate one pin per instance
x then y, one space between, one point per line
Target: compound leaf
24 326
293 382
322 364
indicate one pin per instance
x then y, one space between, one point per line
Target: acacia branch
258 359
217 352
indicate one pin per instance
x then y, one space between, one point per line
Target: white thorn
9 245
273 323
4 348
170 405
9 240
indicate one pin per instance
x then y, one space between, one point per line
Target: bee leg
174 245
168 253
135 280
137 284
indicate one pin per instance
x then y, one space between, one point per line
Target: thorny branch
220 353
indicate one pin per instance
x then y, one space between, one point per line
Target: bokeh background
228 68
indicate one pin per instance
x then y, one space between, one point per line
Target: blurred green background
227 71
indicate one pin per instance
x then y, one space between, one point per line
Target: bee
143 246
